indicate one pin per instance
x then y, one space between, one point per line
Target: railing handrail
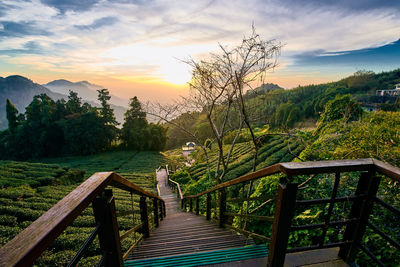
312 167
178 186
50 225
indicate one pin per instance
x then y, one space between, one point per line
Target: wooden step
205 258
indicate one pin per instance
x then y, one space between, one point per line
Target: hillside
21 90
300 107
275 149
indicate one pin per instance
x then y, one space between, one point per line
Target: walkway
184 233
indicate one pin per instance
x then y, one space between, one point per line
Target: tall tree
134 127
12 116
74 103
106 112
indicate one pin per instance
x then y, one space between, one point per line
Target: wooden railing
175 187
27 246
278 210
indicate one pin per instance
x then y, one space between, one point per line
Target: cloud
13 29
350 6
147 37
30 47
74 5
98 23
378 58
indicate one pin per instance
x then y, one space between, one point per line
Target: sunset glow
138 48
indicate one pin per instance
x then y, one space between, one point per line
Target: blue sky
133 47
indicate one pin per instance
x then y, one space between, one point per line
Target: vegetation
50 128
14 174
343 132
137 133
286 109
30 189
276 149
142 162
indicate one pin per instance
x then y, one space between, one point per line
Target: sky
137 47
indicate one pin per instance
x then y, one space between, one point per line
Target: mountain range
85 89
21 90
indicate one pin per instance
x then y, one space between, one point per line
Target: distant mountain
21 90
266 87
85 89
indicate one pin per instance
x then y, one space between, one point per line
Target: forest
51 128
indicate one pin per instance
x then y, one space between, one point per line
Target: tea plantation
28 190
276 149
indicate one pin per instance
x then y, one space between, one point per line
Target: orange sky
136 48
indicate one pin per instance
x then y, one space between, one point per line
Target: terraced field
13 173
117 161
276 149
25 196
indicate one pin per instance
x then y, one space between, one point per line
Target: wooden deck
315 258
184 233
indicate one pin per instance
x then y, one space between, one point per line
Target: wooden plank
178 188
31 242
326 166
144 216
284 211
387 169
245 178
130 231
319 257
313 167
109 239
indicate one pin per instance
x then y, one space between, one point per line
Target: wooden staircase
184 237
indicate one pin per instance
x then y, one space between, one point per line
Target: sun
175 73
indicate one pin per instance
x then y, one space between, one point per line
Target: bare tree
217 89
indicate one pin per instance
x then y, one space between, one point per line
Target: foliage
342 106
14 173
275 149
137 133
51 128
376 135
21 204
118 161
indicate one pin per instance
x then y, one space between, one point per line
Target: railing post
197 205
144 217
110 243
361 209
284 211
182 203
160 205
155 212
191 204
163 209
208 207
222 207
